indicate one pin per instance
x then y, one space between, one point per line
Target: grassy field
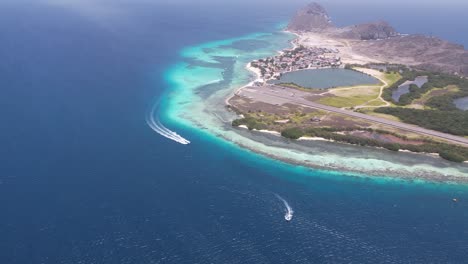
346 97
376 102
372 113
391 78
350 97
360 95
301 88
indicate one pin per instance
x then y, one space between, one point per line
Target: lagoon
405 87
326 78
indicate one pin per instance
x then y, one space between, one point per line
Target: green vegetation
414 93
443 115
452 156
338 101
350 97
436 92
440 113
435 80
445 151
250 122
292 133
443 103
296 86
392 69
392 77
375 102
453 122
406 75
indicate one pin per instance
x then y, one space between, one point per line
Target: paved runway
279 95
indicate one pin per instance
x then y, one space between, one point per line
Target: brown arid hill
313 17
379 41
428 53
369 31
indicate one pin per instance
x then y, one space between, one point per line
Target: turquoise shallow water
327 78
84 179
207 74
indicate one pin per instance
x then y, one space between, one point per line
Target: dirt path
385 84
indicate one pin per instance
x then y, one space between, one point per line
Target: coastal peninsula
364 85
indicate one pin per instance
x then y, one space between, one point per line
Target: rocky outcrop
380 42
369 31
312 18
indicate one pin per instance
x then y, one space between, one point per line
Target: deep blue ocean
83 179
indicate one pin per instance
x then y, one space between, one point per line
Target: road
278 95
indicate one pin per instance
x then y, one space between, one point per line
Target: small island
364 85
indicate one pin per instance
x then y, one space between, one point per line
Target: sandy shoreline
306 138
257 74
425 175
422 175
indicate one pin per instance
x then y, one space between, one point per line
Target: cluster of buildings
297 59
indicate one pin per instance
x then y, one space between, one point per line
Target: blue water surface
327 78
84 180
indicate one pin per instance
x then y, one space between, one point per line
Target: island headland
379 42
365 85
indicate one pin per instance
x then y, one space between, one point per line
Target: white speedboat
288 216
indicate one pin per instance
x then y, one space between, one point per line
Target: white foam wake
289 211
162 130
214 81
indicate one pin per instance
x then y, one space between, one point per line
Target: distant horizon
362 11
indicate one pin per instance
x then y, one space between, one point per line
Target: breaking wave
159 128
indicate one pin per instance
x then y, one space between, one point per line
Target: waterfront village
299 58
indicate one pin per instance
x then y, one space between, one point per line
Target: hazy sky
109 7
431 14
105 8
97 3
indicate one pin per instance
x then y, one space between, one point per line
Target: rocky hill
312 18
380 42
429 53
369 31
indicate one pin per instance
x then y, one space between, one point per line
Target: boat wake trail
289 211
159 128
214 81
